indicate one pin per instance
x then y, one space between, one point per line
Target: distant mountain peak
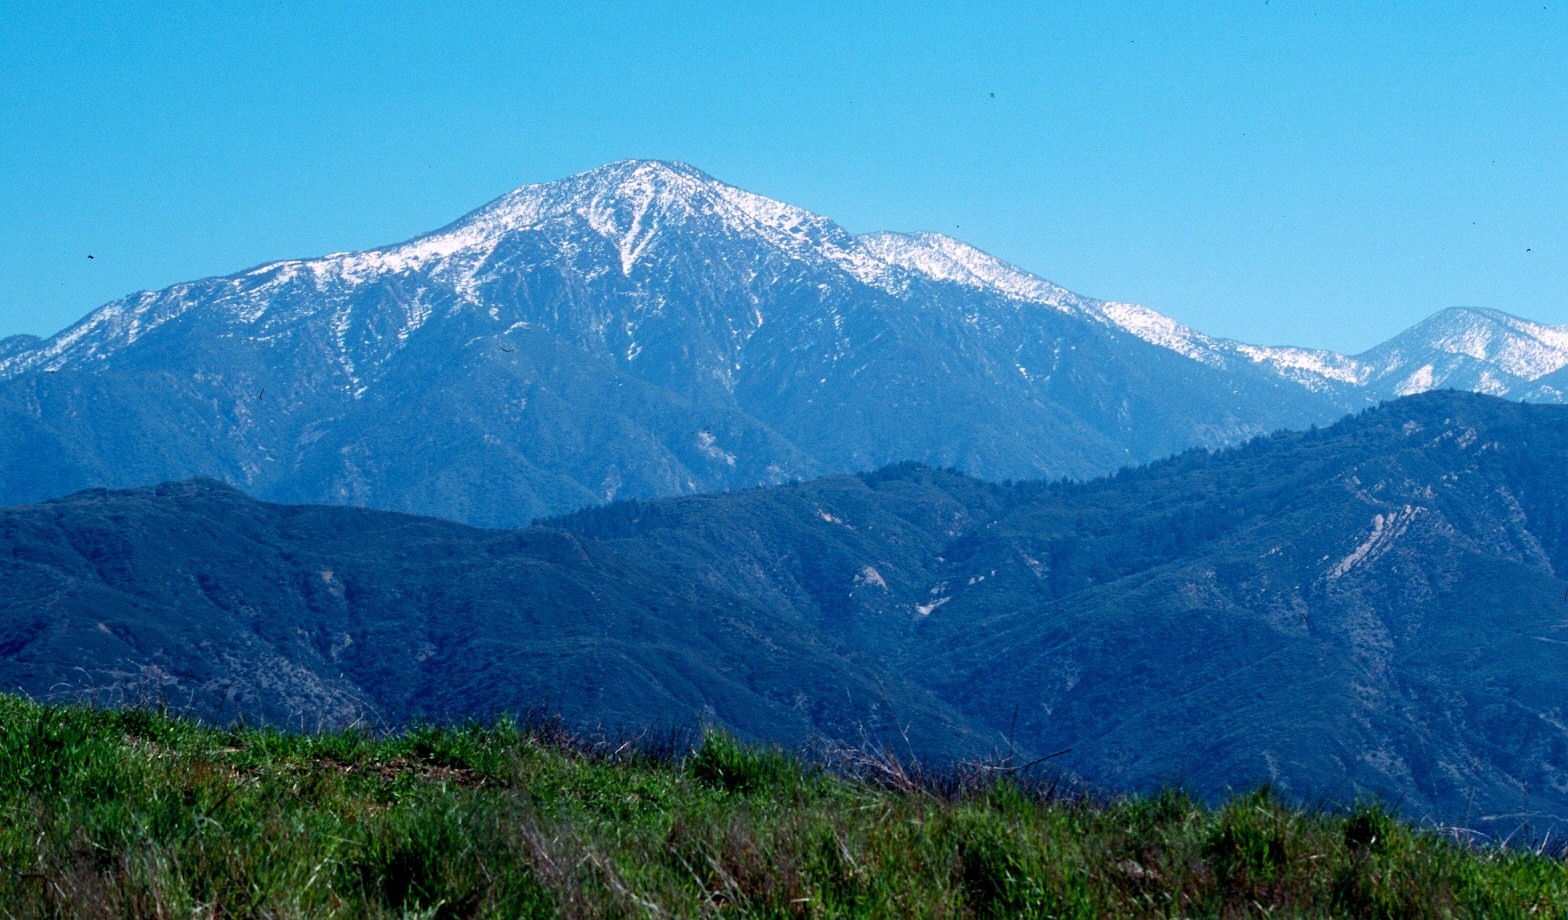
1489 345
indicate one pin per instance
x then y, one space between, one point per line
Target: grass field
132 814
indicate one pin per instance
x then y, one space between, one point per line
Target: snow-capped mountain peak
632 201
625 201
1515 346
631 219
629 202
1470 348
632 204
643 329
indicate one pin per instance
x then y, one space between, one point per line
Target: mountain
193 594
1467 348
643 329
1460 348
1376 606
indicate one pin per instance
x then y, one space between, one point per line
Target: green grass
127 813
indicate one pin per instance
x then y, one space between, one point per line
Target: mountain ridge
1368 608
597 194
643 329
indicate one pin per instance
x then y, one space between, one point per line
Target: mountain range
643 329
1376 607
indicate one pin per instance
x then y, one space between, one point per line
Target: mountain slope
643 329
637 330
1372 607
1377 606
326 616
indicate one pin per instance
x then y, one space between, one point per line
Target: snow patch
1418 382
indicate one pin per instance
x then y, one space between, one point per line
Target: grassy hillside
127 813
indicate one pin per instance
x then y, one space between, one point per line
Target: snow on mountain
1470 348
643 329
1317 370
938 257
629 204
1501 353
637 330
1310 367
633 204
941 258
1159 329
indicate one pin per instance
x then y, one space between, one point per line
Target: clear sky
1319 173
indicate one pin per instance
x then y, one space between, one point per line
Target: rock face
1377 606
643 329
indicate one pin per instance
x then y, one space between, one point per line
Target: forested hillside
1371 607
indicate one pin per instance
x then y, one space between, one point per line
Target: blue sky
1281 172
